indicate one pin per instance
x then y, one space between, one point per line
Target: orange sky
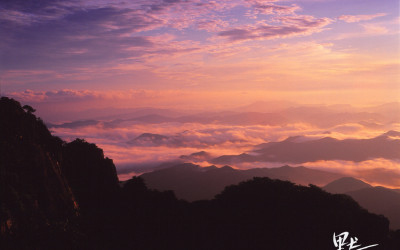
75 60
201 53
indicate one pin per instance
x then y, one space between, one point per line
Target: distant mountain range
176 141
196 157
377 200
66 195
295 150
228 118
260 113
192 182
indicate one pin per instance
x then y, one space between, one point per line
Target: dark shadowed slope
344 185
192 182
299 175
256 214
380 200
92 177
52 193
293 150
273 214
36 200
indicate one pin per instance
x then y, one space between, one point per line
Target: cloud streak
196 45
269 8
290 26
359 18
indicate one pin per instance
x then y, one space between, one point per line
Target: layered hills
297 150
260 113
59 195
192 182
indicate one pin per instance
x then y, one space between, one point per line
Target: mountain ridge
376 199
327 148
192 182
46 181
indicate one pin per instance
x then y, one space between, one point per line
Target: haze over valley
359 142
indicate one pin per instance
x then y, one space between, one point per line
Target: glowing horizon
302 51
330 59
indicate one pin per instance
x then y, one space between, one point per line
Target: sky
69 55
321 67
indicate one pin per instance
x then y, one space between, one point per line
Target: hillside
36 199
380 200
377 200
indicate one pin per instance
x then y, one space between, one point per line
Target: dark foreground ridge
58 195
377 199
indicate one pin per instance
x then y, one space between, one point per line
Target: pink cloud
359 18
212 25
183 14
375 29
291 26
271 8
54 95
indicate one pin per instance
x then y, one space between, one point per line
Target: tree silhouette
29 109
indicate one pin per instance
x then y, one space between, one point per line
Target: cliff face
52 192
92 178
36 198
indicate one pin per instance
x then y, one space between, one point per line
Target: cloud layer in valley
139 145
95 69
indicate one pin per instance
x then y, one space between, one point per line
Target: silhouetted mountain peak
299 150
198 156
392 133
328 139
149 139
212 167
286 167
345 184
201 153
293 138
227 168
